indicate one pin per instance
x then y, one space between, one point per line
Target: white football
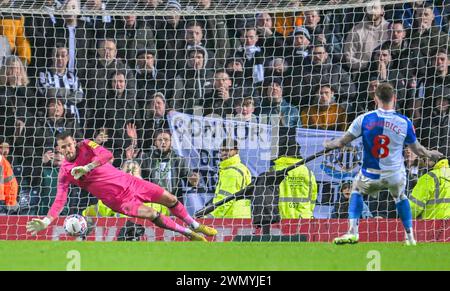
75 225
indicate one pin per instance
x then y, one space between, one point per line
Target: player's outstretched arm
422 152
339 142
36 225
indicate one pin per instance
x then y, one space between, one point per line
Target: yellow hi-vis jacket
101 210
298 191
430 198
233 176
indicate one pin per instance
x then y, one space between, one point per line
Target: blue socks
355 209
404 211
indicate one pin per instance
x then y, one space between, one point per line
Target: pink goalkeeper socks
180 211
167 223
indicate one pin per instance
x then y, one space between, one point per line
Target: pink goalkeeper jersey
104 182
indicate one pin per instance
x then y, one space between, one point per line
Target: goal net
209 97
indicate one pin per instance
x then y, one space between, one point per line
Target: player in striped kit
384 134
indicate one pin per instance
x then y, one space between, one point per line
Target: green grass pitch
230 256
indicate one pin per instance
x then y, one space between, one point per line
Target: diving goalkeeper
87 165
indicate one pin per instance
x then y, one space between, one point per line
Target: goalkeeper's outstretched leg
165 222
177 208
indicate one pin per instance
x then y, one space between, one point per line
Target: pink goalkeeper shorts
140 192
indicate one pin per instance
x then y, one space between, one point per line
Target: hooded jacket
430 198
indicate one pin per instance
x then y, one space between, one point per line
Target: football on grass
75 225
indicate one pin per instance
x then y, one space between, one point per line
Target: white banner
334 166
199 139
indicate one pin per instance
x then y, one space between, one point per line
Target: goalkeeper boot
206 230
193 236
347 238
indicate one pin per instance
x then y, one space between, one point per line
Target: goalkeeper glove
36 225
80 171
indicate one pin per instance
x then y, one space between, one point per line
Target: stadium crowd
115 79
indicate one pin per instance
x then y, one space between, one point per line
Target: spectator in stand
244 109
16 101
220 101
100 72
149 78
169 38
364 38
286 22
253 56
278 67
12 26
320 34
38 28
325 113
63 81
300 50
274 105
40 133
196 81
98 25
4 149
366 99
235 69
339 21
321 70
163 166
154 119
151 20
73 31
268 38
216 32
406 12
437 80
434 128
116 114
312 24
404 58
425 35
17 105
340 209
193 37
132 34
382 68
